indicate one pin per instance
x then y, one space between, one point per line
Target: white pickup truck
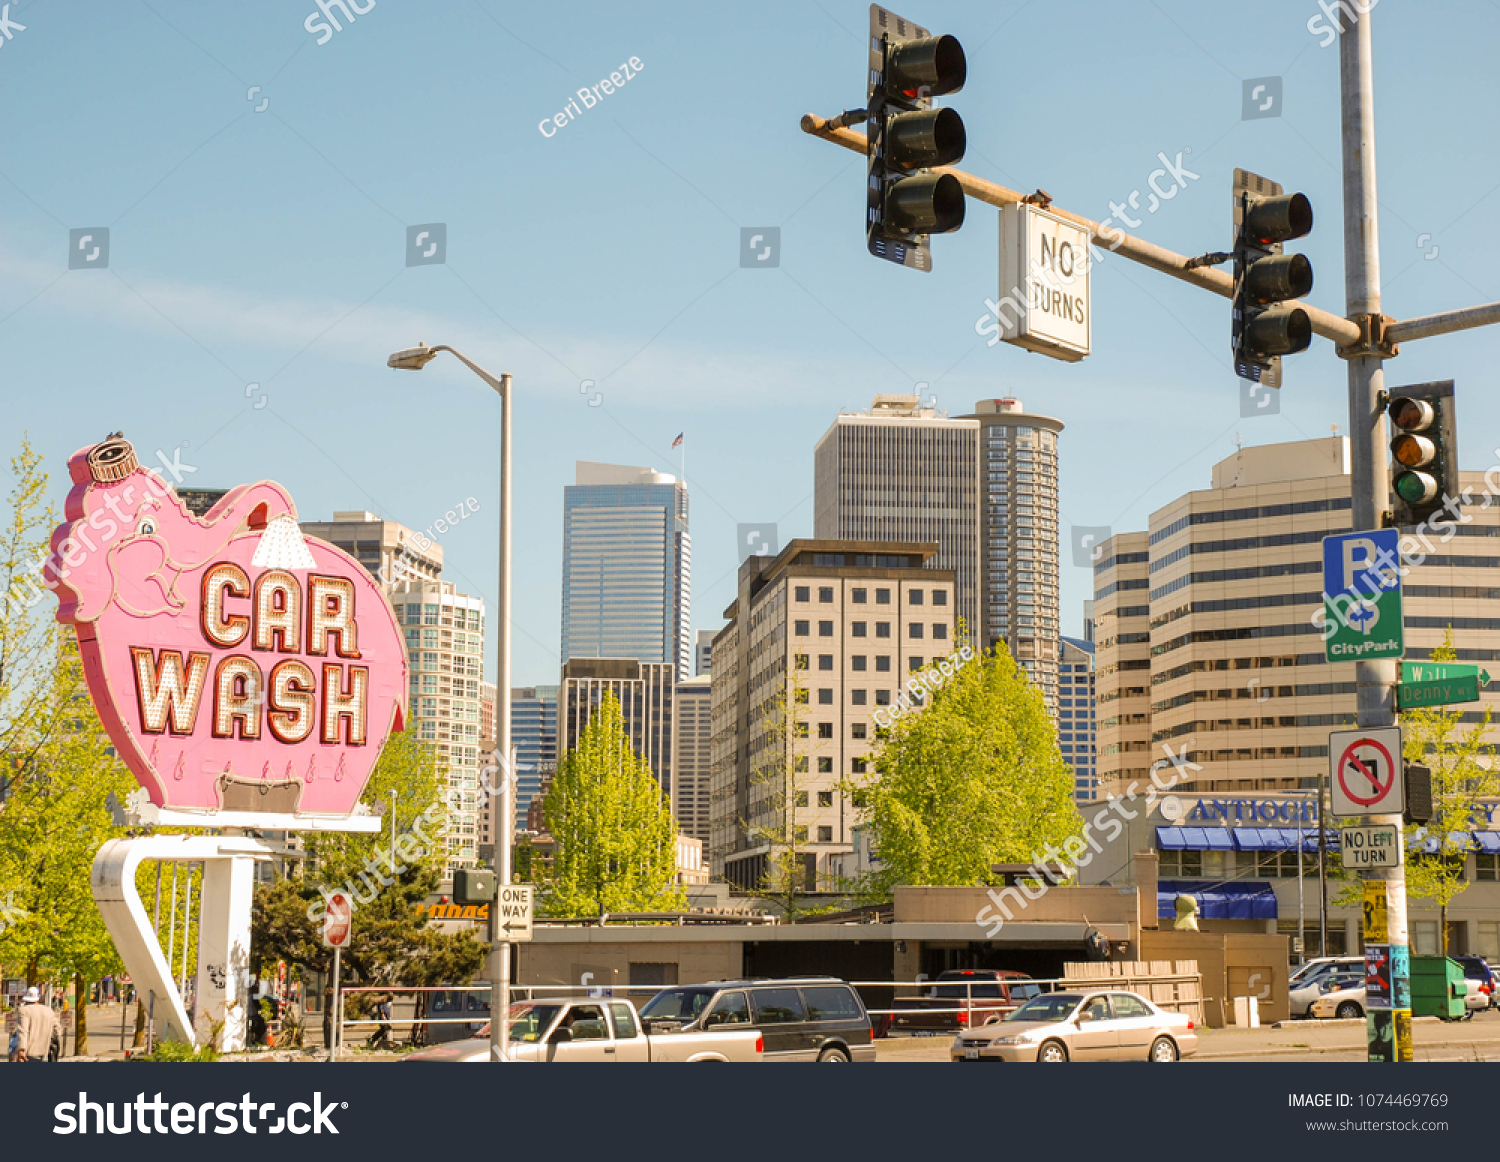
588 1029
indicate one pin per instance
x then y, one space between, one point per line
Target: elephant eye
146 527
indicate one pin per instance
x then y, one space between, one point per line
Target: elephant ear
141 584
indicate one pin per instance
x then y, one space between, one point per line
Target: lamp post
414 359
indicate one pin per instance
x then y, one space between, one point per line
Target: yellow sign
1376 912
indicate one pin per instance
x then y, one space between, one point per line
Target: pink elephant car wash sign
237 665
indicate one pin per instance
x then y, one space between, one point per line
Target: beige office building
389 551
848 620
692 755
1208 625
908 474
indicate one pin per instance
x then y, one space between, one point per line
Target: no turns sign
1364 771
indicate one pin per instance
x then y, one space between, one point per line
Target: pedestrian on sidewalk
36 1028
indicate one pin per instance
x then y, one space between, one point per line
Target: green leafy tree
971 778
616 838
1462 774
780 772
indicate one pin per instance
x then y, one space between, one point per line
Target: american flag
678 441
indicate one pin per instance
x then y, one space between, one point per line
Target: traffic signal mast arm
1330 326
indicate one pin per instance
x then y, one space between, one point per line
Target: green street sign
1439 684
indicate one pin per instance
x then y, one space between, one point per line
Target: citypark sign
239 668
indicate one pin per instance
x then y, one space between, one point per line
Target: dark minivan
801 1019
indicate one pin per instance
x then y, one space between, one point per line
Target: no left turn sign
1365 771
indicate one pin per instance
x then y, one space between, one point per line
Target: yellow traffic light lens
1413 451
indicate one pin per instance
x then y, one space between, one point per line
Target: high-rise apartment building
904 473
692 754
828 629
445 655
1075 715
1018 537
1209 627
644 690
627 575
533 730
703 652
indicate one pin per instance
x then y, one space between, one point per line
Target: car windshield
1050 1007
527 1022
684 1005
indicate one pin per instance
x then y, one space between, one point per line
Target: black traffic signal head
1418 793
1424 446
904 203
1264 278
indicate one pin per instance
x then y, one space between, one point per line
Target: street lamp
414 359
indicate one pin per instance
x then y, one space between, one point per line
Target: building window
825 661
801 697
1489 940
857 730
914 631
802 798
857 697
1198 865
801 628
857 662
825 697
1487 867
800 661
882 697
882 597
825 595
857 628
1424 938
857 596
825 798
940 597
913 663
801 593
882 629
914 596
825 767
825 834
825 730
825 629
882 663
857 766
940 630
801 731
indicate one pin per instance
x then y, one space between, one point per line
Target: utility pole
1375 681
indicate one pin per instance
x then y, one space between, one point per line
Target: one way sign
513 912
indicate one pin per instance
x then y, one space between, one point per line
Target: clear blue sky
268 247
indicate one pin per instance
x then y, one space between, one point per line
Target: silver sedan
1081 1026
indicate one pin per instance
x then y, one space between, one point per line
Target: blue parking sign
1362 596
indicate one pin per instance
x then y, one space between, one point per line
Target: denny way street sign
1362 596
1439 684
1365 771
1367 847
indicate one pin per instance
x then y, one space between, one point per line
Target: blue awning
1457 841
1265 838
1194 839
1235 900
1488 841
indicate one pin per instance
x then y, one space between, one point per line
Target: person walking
36 1027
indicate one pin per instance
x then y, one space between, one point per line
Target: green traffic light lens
1416 487
926 204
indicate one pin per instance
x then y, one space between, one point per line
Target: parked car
1304 993
1102 1026
570 1029
801 1019
1482 982
1321 966
969 996
1343 999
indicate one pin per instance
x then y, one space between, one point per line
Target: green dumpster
1437 987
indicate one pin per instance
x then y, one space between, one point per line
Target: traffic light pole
1385 934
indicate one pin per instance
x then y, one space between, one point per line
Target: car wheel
837 1055
1163 1049
1052 1051
1348 1011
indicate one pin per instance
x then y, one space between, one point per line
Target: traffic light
1418 793
1264 278
1424 444
905 202
473 886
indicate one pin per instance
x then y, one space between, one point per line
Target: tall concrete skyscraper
1018 566
908 474
627 567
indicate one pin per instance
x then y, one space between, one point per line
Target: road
1476 1040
